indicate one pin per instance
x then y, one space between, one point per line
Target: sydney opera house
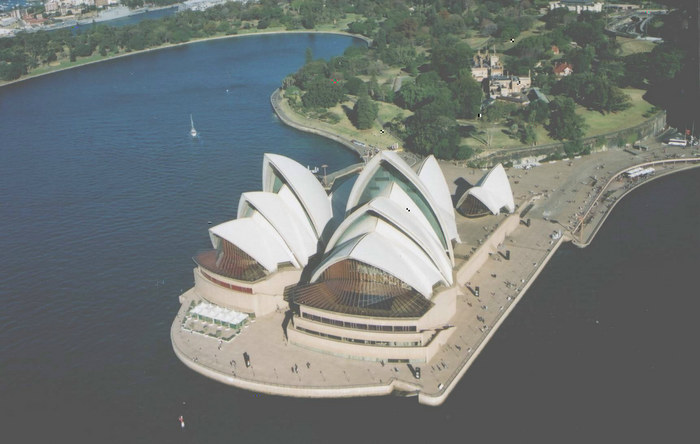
379 284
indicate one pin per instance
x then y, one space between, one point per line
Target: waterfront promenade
554 197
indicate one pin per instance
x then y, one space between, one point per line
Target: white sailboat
193 132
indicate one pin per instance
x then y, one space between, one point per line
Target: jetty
340 176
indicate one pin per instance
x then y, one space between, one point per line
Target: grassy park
597 124
632 46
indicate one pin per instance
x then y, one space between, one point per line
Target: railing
583 218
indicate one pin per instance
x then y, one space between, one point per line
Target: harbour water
104 197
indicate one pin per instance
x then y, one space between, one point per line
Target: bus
677 142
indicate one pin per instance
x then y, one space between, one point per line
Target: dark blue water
104 197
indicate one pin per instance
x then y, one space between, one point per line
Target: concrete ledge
436 400
300 391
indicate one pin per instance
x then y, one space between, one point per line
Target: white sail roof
386 250
293 227
411 223
367 187
256 237
431 175
303 183
493 190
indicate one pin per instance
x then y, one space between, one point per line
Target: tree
364 112
594 91
264 23
352 85
564 123
613 70
581 59
310 72
558 17
310 13
527 134
432 135
508 31
448 58
573 147
664 63
468 95
426 89
375 91
600 94
536 112
499 110
635 70
10 71
323 93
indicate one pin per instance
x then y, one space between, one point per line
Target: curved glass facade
473 207
352 287
230 261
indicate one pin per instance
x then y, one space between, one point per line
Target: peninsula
348 320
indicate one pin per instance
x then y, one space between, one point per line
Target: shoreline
363 378
275 100
175 45
693 162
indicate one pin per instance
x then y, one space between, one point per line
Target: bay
104 197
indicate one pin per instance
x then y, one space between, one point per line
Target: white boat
193 132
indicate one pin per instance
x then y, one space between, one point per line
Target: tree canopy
564 123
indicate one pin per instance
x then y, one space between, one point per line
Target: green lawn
66 63
387 111
340 25
537 29
605 123
501 140
477 42
345 128
387 75
632 46
597 124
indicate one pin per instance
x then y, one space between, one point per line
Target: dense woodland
427 41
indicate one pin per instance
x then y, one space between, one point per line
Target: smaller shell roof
304 184
257 238
493 190
296 231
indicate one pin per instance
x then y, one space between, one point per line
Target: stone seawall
691 163
275 100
